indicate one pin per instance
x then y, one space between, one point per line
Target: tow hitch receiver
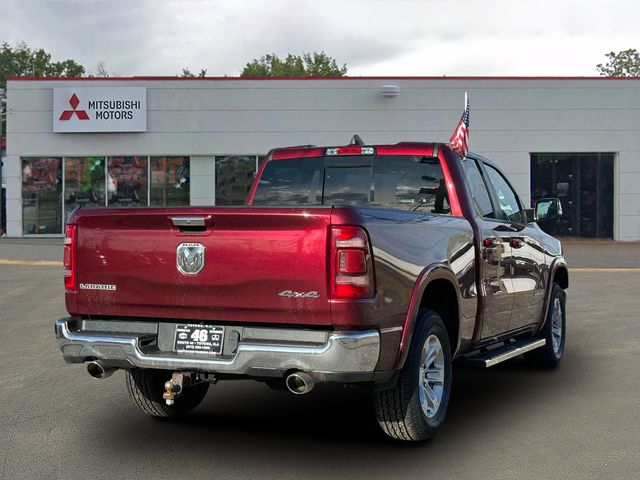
173 388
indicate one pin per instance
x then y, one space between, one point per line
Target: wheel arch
558 273
435 289
561 276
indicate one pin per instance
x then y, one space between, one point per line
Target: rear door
495 285
527 261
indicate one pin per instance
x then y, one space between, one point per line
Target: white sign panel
99 109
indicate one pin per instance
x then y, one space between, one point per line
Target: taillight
350 150
69 257
351 264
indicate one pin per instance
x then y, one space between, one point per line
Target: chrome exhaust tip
299 383
98 370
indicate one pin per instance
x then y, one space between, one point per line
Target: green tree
186 73
22 61
621 64
316 64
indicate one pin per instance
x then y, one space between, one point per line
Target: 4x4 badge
292 294
190 258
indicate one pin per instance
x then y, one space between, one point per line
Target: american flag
460 138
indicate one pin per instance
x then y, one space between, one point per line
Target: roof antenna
356 140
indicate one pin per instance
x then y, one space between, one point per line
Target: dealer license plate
206 339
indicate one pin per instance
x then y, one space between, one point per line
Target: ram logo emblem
190 258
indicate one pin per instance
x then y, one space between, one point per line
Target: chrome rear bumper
341 356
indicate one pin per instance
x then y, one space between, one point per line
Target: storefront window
127 181
233 179
169 181
84 183
41 195
53 187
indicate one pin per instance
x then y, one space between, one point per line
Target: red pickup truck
372 265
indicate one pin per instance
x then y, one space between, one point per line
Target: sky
373 37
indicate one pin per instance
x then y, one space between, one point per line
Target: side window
507 198
478 189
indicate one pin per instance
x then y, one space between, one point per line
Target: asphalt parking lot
580 421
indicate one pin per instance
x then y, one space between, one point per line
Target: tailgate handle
191 223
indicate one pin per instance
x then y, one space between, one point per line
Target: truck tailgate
251 256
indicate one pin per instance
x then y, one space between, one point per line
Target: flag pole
460 139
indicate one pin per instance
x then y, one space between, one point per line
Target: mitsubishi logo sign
67 114
99 109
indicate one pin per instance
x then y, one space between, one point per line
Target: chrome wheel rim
556 325
431 379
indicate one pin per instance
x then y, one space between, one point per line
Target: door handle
191 221
516 243
505 228
192 224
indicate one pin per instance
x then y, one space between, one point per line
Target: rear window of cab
410 183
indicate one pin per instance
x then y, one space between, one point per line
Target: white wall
628 187
12 178
510 118
202 180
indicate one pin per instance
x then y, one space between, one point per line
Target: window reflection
170 181
234 176
291 182
507 198
410 183
41 195
84 183
127 181
347 185
479 192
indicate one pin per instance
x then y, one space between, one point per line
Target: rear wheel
554 332
147 386
415 408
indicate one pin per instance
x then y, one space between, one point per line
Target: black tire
147 386
550 355
398 410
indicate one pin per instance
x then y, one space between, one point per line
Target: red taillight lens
349 151
351 268
69 257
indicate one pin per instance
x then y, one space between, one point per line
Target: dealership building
149 141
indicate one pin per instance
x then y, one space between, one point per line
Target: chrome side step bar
490 358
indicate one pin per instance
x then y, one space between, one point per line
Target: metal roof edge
346 78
